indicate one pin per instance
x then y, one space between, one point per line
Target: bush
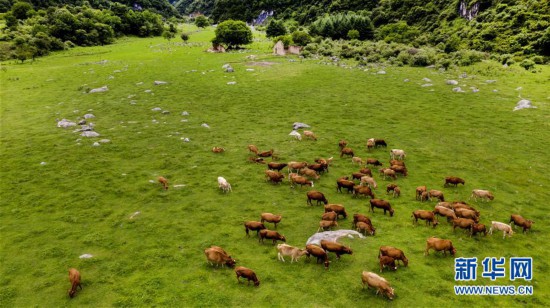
301 38
286 39
275 28
202 21
184 37
353 34
527 64
337 26
233 33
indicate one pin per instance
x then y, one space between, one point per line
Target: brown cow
390 188
395 253
338 208
247 273
522 222
465 213
254 226
74 278
310 173
443 211
381 204
327 224
300 180
271 235
380 284
428 216
438 244
400 169
330 216
463 223
216 255
342 143
453 180
164 182
386 261
345 183
319 253
347 152
266 153
374 162
294 166
218 150
276 166
364 228
272 218
432 193
274 176
316 195
252 148
365 171
318 168
357 175
387 172
362 190
337 248
395 162
419 191
478 228
360 217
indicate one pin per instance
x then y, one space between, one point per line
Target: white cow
483 194
500 226
223 184
397 154
286 250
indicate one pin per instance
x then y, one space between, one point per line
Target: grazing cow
500 226
370 144
300 180
453 180
252 148
247 273
483 194
274 176
296 135
395 253
347 152
395 162
324 225
337 248
369 181
319 167
345 183
419 191
254 226
522 222
310 173
316 195
479 228
276 166
294 166
380 284
397 154
381 204
257 160
271 235
386 261
465 213
286 250
164 182
223 184
272 218
310 135
74 278
374 162
443 211
387 172
330 216
216 255
396 192
428 216
360 217
218 150
390 188
357 160
461 205
362 190
463 223
266 153
400 169
432 193
366 171
424 196
357 175
337 208
365 228
446 204
342 144
438 244
319 253
380 143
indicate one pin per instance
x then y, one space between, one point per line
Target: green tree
202 21
184 37
353 34
301 38
21 10
233 33
168 35
275 28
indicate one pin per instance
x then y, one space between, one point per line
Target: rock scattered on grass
95 144
89 116
524 104
458 90
205 125
89 134
86 256
98 90
426 85
134 215
159 82
298 125
232 82
156 109
185 113
426 79
65 123
43 163
381 72
452 82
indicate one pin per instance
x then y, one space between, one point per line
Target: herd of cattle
360 184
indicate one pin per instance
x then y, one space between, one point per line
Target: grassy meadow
62 197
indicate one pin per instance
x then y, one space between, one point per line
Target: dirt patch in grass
261 63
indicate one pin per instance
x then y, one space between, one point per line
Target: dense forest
515 28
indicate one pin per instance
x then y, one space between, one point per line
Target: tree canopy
233 33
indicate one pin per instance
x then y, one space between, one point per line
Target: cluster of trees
30 33
342 25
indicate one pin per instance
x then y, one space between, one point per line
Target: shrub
275 28
337 26
527 64
184 37
353 34
301 38
233 33
202 21
286 39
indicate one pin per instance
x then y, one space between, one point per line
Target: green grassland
81 199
